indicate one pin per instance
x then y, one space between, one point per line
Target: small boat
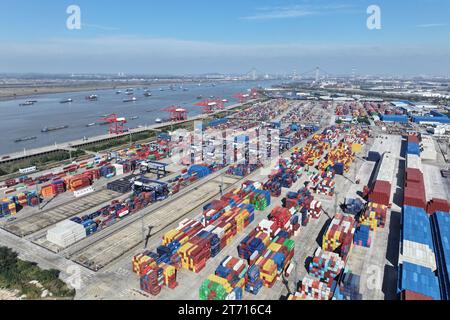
199 97
25 139
26 103
49 129
118 92
92 97
147 94
33 101
133 99
91 124
185 89
134 118
158 120
161 89
66 101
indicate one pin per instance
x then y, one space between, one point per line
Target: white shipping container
386 168
413 161
119 169
66 233
417 253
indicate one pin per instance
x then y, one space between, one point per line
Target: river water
28 121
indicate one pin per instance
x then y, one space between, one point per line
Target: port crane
116 125
244 97
209 106
176 113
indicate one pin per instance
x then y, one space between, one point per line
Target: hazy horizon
233 37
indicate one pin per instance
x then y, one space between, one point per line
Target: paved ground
44 219
377 265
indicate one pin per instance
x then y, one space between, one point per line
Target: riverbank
17 92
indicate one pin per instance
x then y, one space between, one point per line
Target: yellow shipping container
356 147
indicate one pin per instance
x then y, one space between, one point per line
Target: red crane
176 113
209 106
244 97
115 124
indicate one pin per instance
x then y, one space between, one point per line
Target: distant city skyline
198 37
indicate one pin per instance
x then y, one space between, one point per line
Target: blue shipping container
441 231
418 279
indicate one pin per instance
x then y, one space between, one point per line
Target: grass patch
16 274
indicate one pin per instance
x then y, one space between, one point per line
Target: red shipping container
414 175
415 196
381 193
410 295
435 205
413 138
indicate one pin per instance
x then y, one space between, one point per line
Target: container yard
230 220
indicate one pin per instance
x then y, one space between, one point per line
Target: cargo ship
25 139
133 99
66 101
49 129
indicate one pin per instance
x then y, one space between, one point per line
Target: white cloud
296 11
99 27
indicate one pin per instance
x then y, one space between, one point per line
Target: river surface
18 122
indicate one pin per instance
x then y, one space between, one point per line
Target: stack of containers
381 193
253 282
275 259
416 242
153 276
227 283
441 231
413 146
7 208
186 229
77 182
281 217
374 216
66 233
326 266
339 235
312 288
253 244
349 287
362 236
107 171
414 189
418 280
353 206
437 205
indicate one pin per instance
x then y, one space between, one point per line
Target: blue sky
225 36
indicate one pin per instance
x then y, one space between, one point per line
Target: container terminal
288 195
